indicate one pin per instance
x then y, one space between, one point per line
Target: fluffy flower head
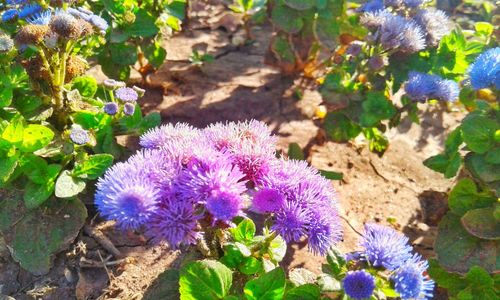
485 71
359 284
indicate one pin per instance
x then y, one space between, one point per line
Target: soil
393 189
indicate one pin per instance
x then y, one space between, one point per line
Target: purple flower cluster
385 248
122 99
185 175
422 87
402 26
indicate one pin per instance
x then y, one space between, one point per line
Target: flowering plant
57 127
409 56
136 30
473 202
201 187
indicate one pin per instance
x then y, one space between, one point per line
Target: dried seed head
86 28
35 68
75 66
66 26
31 34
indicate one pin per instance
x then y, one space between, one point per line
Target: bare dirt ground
238 86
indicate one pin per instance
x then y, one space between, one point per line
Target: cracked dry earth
238 86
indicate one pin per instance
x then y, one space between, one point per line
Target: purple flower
251 144
126 94
309 196
292 221
78 135
208 176
385 247
359 284
41 18
129 109
161 136
126 196
399 33
224 205
111 108
174 221
29 10
267 200
410 280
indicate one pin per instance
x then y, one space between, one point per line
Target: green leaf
93 167
6 94
277 249
484 28
144 25
35 236
86 85
244 232
493 156
327 30
478 277
35 137
447 163
149 121
155 54
8 165
458 251
340 128
67 186
378 142
232 256
478 132
336 261
13 133
331 175
300 4
450 281
328 283
206 279
481 223
166 286
481 169
251 266
36 194
464 197
303 292
301 276
295 152
269 286
287 19
453 141
376 108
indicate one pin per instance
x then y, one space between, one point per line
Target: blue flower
42 18
420 86
371 6
9 14
127 192
359 284
485 71
111 108
385 247
29 10
447 90
410 281
402 34
126 94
